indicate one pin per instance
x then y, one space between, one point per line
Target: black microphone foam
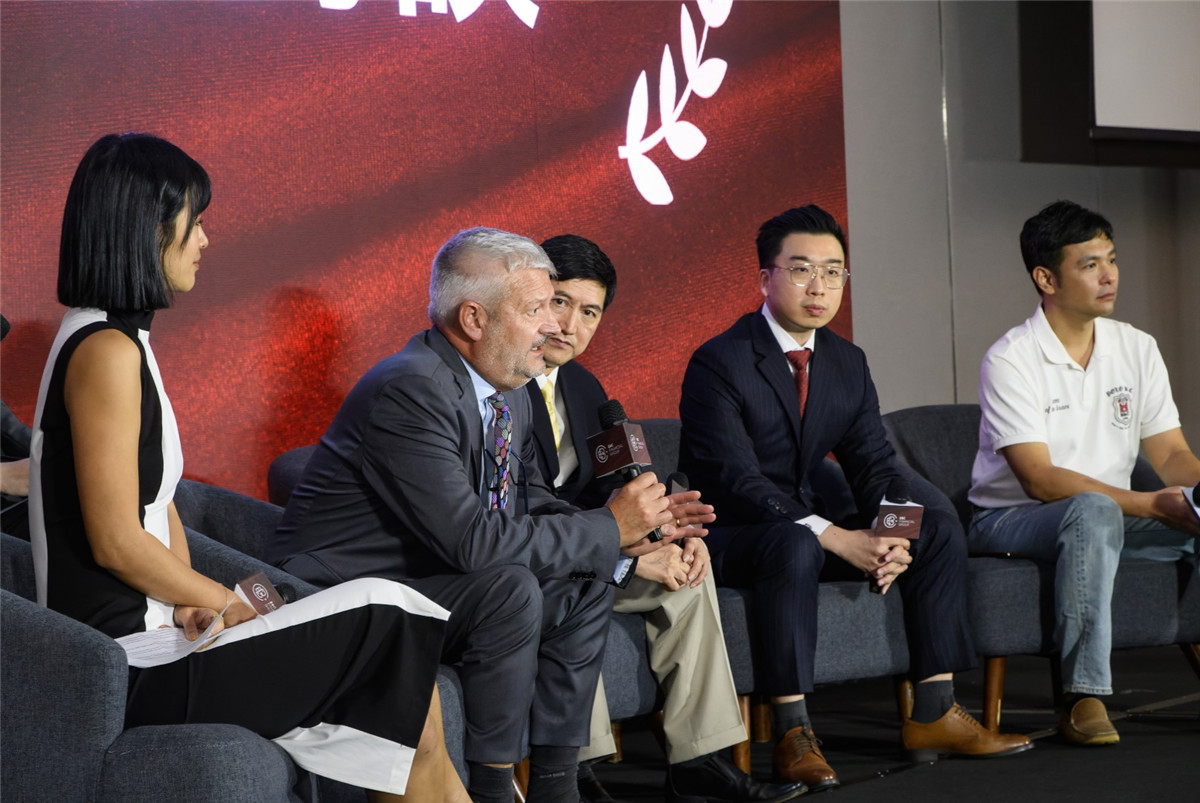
611 414
286 592
898 491
677 478
1196 495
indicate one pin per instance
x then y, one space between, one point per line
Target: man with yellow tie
672 588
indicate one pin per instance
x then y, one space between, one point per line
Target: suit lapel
578 418
773 367
816 406
543 433
468 413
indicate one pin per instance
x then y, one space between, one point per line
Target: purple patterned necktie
501 440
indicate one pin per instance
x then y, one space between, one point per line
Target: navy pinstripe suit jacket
743 444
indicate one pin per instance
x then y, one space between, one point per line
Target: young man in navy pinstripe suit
753 451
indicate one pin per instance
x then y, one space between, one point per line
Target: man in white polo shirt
1068 397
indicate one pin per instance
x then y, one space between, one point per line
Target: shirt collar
783 338
483 389
542 379
1054 349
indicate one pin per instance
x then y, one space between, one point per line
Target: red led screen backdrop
346 143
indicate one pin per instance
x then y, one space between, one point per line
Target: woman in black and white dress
344 680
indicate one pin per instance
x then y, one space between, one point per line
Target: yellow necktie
548 397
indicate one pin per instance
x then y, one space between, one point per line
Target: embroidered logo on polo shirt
1122 404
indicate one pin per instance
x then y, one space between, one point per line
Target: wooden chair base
741 750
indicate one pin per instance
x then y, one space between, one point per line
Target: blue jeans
1085 537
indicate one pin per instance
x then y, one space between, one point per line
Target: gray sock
785 716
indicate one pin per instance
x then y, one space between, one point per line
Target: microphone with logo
899 516
620 448
1194 498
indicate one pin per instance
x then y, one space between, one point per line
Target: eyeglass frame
791 269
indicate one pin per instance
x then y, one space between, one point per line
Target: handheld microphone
620 448
898 491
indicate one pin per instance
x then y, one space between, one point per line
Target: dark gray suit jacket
395 487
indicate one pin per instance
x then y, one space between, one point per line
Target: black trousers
783 563
530 651
341 680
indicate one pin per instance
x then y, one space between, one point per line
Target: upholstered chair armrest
64 702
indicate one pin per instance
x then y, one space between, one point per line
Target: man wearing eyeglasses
762 405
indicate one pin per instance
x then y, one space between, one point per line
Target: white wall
935 207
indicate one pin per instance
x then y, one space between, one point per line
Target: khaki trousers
687 656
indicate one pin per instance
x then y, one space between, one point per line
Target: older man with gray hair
427 475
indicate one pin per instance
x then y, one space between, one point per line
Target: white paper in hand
164 645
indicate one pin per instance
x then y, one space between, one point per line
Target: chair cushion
197 764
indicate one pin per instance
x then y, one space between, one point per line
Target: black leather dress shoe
716 779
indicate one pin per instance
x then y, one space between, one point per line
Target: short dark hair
1060 224
810 219
119 219
576 257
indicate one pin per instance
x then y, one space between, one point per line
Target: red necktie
799 360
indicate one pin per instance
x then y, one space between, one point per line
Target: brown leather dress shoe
957 733
1086 723
798 759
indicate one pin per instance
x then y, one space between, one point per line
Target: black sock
695 762
553 774
785 716
932 699
490 784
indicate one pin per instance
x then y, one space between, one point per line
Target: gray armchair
64 729
1010 598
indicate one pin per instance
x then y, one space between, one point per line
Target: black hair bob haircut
119 220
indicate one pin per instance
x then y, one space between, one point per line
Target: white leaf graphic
666 88
707 80
639 109
685 140
688 42
649 180
527 11
715 12
463 8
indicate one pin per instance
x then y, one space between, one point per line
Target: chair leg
619 754
993 691
520 780
1192 653
1056 680
656 727
760 720
741 751
904 697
